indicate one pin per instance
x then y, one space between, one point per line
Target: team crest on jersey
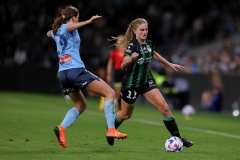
150 82
149 49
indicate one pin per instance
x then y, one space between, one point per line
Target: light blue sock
70 117
109 113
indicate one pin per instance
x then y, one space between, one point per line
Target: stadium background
199 34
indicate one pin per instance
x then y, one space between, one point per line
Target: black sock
171 125
117 122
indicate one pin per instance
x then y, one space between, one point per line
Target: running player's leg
128 99
101 88
124 114
156 99
79 107
67 79
126 111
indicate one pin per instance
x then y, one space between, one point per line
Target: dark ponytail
64 16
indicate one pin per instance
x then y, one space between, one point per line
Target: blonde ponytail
123 41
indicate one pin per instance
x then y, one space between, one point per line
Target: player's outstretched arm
77 25
159 58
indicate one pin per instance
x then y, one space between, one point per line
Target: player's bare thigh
155 97
101 88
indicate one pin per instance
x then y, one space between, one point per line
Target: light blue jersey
68 45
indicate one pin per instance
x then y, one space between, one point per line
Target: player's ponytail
129 34
120 41
57 23
64 15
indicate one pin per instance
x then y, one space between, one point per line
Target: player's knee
110 94
125 117
165 110
163 107
81 107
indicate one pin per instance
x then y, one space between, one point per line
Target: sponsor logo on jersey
65 59
140 61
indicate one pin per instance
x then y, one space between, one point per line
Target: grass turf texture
27 121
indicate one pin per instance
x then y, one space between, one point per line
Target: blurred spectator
8 57
46 62
206 100
213 99
175 90
182 87
175 28
170 92
51 55
20 56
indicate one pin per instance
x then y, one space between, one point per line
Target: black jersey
138 73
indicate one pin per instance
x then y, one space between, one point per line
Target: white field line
144 121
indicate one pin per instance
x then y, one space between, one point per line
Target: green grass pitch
27 121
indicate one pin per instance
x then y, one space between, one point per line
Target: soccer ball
174 144
188 110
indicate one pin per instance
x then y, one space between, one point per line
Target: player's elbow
48 34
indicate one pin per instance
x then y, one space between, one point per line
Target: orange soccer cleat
112 132
60 134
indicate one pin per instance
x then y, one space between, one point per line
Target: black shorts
130 95
75 79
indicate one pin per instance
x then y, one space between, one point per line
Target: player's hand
134 55
176 67
95 17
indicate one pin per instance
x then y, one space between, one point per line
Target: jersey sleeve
132 47
63 29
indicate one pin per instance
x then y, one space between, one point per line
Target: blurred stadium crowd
174 27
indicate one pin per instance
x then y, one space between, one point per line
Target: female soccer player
138 79
73 75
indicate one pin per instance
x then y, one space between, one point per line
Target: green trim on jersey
141 69
129 84
149 76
